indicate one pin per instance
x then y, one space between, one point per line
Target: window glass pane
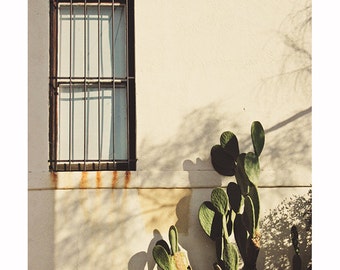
72 52
92 123
92 42
120 42
120 125
64 42
71 122
63 123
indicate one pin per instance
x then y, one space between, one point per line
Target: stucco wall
202 67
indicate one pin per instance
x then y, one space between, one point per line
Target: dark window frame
86 165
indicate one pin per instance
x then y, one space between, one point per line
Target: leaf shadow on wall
278 251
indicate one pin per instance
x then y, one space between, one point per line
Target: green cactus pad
210 220
235 197
164 245
222 161
206 216
249 216
173 259
162 258
230 256
252 167
240 233
173 238
258 137
241 176
254 195
219 199
229 143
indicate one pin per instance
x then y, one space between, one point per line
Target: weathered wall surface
202 67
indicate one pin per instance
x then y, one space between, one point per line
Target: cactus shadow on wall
138 261
142 259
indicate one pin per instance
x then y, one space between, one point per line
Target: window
92 85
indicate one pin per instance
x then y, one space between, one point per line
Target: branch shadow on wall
195 134
279 151
296 62
91 228
291 137
289 141
177 206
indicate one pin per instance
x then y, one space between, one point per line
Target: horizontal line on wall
286 186
133 187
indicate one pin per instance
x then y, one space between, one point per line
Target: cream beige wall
202 67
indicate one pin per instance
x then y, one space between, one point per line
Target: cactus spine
239 205
170 258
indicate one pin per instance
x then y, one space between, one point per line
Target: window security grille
92 85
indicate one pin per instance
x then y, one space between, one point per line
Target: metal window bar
99 94
53 135
71 80
70 145
131 86
85 85
127 75
113 101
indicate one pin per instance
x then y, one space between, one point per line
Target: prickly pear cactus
214 217
170 258
242 196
